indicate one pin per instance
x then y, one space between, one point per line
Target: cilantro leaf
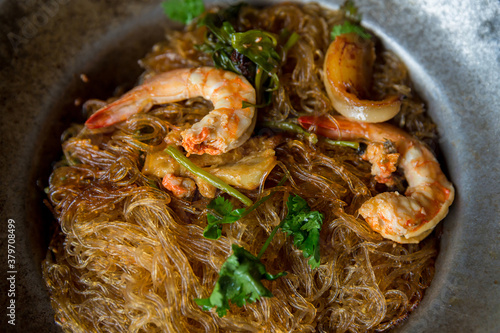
221 205
224 213
304 225
183 11
348 27
239 281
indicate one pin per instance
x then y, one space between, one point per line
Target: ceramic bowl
452 49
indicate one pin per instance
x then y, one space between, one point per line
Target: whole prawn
226 127
404 219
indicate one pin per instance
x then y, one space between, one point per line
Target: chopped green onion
294 37
269 239
350 144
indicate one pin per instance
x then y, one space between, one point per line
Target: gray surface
451 47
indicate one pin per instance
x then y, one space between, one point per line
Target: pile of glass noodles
130 256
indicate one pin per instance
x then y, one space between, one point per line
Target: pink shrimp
404 219
226 127
181 187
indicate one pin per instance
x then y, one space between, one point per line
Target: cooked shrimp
404 219
181 187
224 128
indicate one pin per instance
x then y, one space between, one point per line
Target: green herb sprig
239 281
222 212
255 54
241 274
264 51
304 226
183 11
352 23
348 27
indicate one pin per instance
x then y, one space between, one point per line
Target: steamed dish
271 171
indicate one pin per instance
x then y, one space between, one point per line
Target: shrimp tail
118 111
